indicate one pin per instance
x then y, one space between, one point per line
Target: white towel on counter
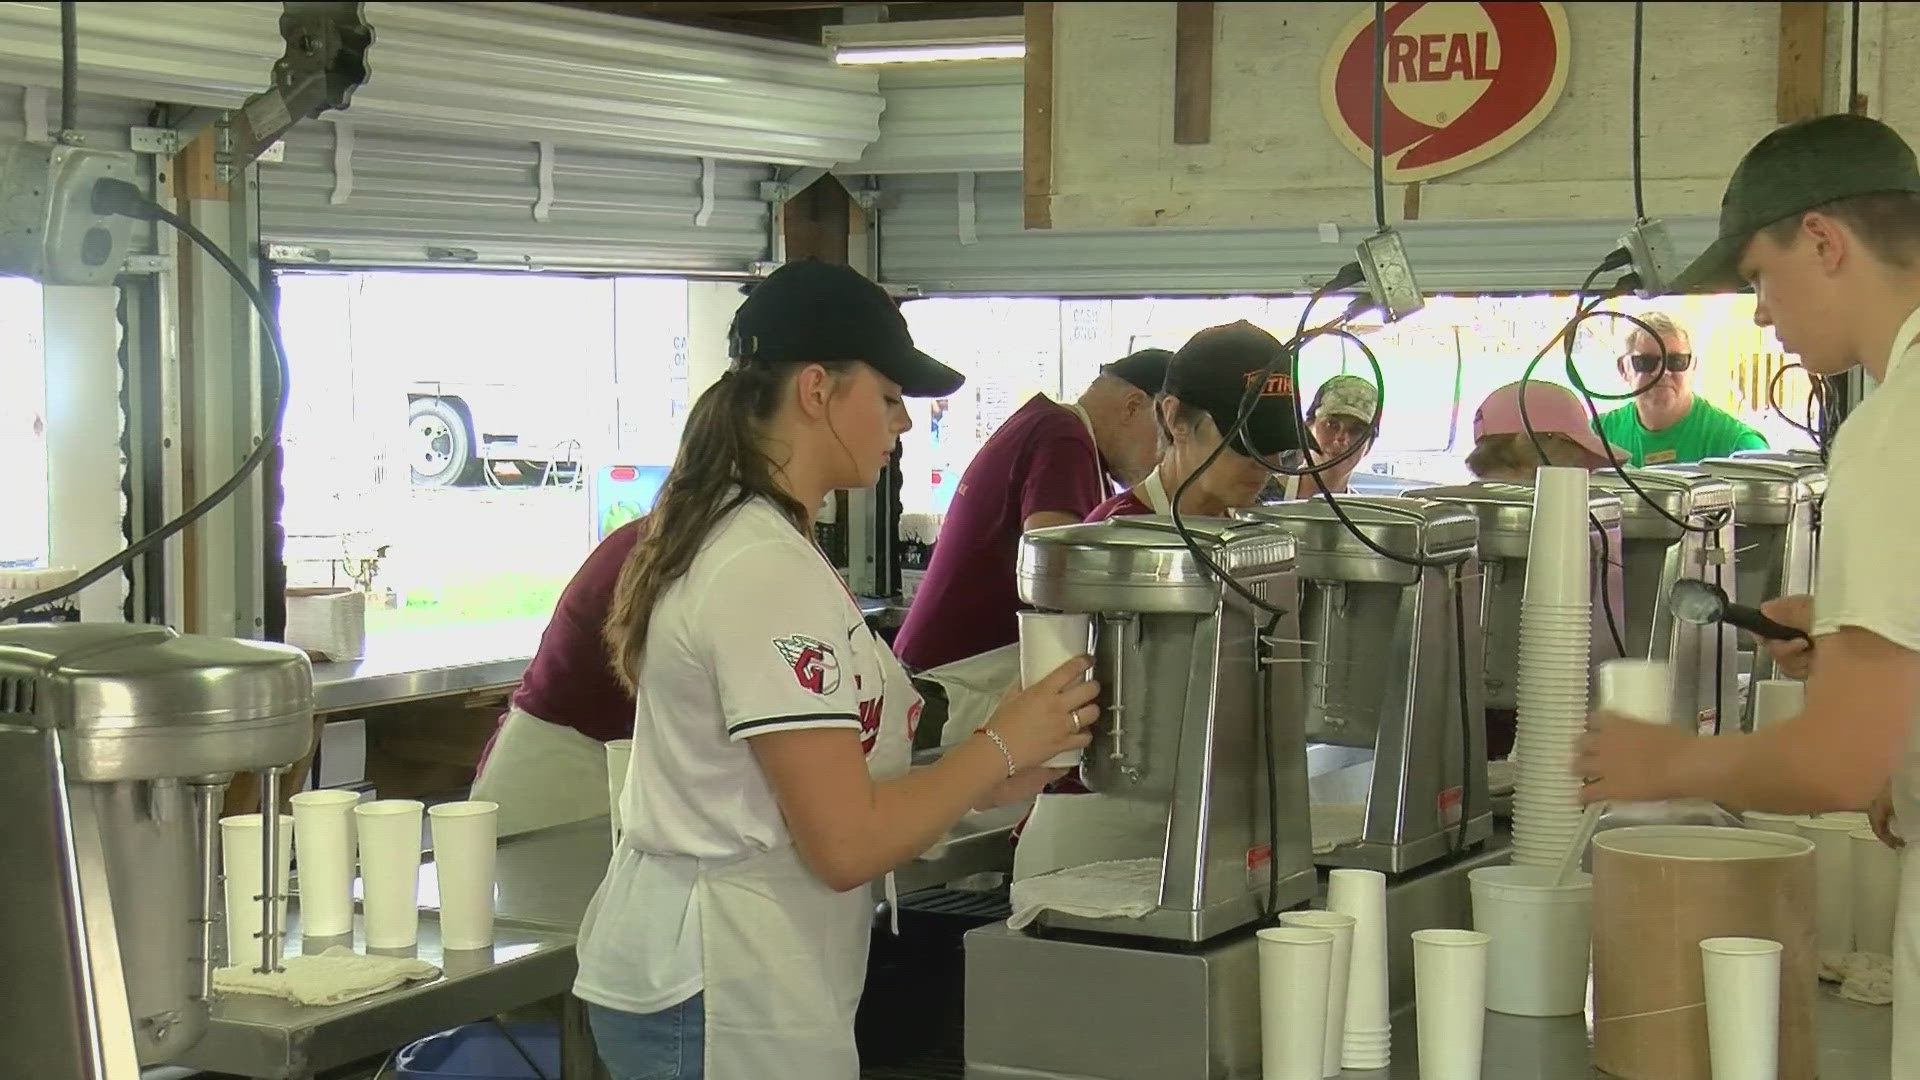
334 977
1863 977
1122 889
1336 824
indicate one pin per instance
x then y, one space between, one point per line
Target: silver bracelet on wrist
1004 752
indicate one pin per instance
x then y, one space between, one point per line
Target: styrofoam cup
1876 892
1775 700
465 836
619 755
1542 933
1363 895
1047 640
1293 1001
1785 824
1742 978
323 829
1339 970
1833 877
1450 995
390 871
240 862
1558 550
1637 689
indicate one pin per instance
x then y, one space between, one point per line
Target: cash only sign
1463 82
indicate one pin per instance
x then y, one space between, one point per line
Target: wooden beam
1192 73
817 220
1037 140
1803 61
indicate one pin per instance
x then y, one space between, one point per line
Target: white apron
976 684
1906 925
542 774
786 956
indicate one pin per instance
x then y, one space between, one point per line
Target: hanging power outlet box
1383 261
49 229
1652 251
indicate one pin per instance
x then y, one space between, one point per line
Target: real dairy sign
1463 82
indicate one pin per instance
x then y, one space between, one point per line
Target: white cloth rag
1336 824
334 977
1863 977
1121 889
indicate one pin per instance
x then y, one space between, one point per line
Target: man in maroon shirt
547 764
1047 465
1206 383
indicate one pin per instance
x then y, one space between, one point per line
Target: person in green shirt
1669 423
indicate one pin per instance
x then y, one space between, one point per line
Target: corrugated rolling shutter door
349 196
948 118
922 228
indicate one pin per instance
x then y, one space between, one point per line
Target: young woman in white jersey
769 783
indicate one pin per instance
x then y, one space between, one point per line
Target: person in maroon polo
1206 381
547 764
1047 465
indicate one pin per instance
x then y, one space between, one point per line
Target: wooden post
1037 141
817 221
1193 73
1803 61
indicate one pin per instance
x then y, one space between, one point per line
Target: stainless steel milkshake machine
1776 518
1394 694
1656 553
116 745
1190 735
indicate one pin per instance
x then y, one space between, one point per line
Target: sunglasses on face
1648 363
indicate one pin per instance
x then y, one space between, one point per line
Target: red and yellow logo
1463 83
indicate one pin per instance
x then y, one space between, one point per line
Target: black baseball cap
1213 371
813 312
1144 370
1795 169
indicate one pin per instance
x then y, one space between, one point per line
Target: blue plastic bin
481 1052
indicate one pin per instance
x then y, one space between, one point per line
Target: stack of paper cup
1293 1001
1363 895
464 843
619 756
1775 700
1555 619
1876 892
390 871
1450 995
1833 878
240 862
323 826
1047 640
1339 971
1742 978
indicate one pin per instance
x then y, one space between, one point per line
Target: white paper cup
1638 689
1047 640
1742 978
1876 892
1339 970
1833 874
1450 995
1293 1001
464 839
1775 700
323 829
619 755
1538 959
390 871
240 854
1559 551
1363 895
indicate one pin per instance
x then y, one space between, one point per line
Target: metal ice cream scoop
1703 603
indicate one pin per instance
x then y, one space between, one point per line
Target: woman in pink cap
1502 451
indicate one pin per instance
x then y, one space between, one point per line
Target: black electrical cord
1379 113
1816 394
1466 705
69 65
1606 591
120 197
1853 57
1268 751
1639 36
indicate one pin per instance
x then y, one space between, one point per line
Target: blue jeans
668 1045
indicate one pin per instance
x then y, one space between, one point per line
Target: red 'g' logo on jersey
814 666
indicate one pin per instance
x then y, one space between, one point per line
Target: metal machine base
1083 1007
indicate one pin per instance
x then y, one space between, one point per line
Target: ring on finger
1075 717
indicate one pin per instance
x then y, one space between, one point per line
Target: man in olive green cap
1822 220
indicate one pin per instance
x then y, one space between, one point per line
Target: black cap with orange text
1213 372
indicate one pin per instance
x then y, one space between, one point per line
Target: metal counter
414 665
271 1039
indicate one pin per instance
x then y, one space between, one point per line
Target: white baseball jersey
759 635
